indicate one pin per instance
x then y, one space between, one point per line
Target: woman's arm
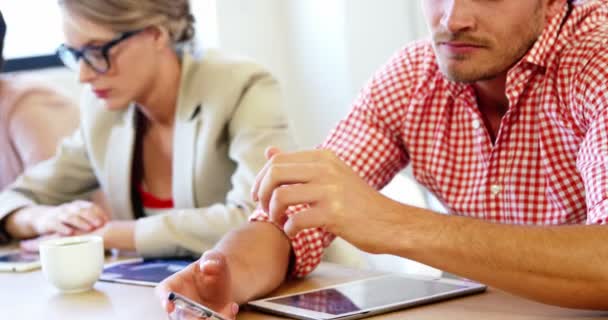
66 177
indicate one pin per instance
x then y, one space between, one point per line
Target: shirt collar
560 30
542 49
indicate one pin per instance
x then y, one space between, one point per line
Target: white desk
28 296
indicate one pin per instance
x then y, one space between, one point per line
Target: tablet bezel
305 314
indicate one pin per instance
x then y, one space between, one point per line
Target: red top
150 201
549 164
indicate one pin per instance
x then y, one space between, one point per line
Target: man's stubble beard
504 61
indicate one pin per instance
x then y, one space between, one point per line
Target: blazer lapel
119 159
184 159
187 124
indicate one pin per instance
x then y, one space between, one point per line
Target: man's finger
175 283
278 158
163 294
285 174
309 218
269 153
291 195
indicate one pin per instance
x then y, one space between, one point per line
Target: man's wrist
418 230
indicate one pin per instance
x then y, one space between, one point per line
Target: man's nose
458 16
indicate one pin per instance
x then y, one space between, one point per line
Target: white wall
302 43
376 30
318 91
335 46
256 29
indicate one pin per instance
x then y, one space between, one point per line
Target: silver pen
193 308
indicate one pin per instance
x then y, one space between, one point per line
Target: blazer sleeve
65 177
258 121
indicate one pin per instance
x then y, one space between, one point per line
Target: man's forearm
258 256
563 266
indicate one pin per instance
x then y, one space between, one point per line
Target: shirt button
495 189
476 124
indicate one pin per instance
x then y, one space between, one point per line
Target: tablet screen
19 257
365 295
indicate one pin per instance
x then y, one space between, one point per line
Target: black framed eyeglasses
96 56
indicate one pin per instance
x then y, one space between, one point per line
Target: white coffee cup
72 264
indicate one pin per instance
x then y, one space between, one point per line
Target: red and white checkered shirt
549 163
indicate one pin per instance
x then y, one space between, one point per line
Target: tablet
143 272
16 261
367 297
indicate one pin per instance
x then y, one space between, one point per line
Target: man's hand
206 281
337 198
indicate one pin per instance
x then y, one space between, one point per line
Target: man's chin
472 70
461 78
468 76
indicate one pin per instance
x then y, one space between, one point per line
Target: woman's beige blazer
228 111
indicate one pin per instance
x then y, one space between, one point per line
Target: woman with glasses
26 134
173 138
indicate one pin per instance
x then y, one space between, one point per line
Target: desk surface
28 296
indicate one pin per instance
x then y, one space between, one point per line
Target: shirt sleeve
592 161
370 141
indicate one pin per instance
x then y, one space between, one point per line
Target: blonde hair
128 15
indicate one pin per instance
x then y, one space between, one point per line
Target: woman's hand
116 235
68 219
33 245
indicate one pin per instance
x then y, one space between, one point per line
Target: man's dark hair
2 34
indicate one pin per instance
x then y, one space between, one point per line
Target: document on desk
143 272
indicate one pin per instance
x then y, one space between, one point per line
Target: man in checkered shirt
503 116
